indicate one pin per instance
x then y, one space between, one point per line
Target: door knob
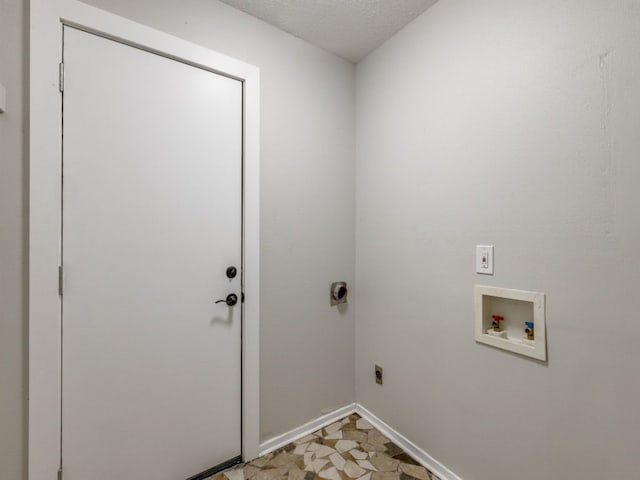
231 300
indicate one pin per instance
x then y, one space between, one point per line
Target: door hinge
61 76
60 278
60 473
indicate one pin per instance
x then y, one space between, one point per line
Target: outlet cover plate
3 99
378 372
484 259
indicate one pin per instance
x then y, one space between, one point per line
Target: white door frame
45 213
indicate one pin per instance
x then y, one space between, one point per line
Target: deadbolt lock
232 272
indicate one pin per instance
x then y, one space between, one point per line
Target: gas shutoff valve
339 293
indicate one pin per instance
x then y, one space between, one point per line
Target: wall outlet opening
378 373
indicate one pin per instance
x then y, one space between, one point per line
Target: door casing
45 173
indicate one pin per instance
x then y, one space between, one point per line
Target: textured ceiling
348 28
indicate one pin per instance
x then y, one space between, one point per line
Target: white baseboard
403 442
303 430
408 446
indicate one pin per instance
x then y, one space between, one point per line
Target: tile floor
350 449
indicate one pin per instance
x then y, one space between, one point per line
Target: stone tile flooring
350 449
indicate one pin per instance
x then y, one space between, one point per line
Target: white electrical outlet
484 259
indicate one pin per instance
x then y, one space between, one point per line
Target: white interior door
152 205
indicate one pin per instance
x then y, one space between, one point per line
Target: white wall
514 124
13 234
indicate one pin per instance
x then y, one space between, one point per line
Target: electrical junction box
512 320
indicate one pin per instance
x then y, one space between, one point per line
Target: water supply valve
529 331
496 322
